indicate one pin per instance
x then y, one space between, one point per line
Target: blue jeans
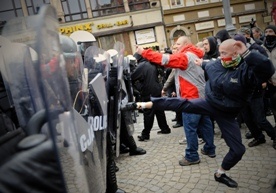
191 123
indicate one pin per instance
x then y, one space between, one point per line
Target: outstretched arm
144 105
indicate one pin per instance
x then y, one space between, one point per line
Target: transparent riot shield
97 66
127 102
92 104
70 139
17 70
118 66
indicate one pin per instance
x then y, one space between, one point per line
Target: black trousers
149 119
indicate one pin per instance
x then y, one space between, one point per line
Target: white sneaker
184 141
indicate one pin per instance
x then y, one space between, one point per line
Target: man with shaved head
232 80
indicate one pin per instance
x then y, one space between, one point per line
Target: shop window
176 3
74 10
106 7
107 42
136 5
9 10
34 5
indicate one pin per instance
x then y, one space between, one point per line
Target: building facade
202 18
133 22
153 24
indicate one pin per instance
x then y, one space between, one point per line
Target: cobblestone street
158 171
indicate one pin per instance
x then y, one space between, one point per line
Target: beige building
151 23
203 18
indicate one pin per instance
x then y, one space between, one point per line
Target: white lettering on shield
96 123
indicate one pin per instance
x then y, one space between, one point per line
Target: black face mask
248 40
270 42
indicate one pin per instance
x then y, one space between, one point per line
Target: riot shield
69 146
127 101
75 73
97 66
22 88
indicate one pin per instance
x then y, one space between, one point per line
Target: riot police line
65 109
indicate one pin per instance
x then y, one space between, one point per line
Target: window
9 10
202 35
107 42
74 10
176 3
33 5
136 5
201 1
177 34
106 7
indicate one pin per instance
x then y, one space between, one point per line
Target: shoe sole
204 153
163 133
140 138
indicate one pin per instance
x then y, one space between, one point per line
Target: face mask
270 42
230 62
270 39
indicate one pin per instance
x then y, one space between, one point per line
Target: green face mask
230 62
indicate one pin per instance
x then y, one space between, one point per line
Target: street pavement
158 171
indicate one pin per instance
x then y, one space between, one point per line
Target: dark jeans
192 123
226 121
255 119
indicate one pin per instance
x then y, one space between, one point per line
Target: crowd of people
222 79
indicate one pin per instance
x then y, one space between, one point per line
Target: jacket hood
213 53
193 49
223 35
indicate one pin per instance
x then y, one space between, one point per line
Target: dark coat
147 76
229 89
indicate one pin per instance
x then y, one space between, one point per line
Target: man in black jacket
147 76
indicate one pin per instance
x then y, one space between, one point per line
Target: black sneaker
256 142
143 137
164 131
177 125
226 180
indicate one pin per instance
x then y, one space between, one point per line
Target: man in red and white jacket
190 83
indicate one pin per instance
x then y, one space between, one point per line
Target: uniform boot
133 149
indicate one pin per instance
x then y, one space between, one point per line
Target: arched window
177 34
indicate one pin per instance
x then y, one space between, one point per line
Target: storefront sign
204 25
97 25
221 22
70 29
107 24
145 36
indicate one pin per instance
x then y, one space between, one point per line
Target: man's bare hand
198 61
139 49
